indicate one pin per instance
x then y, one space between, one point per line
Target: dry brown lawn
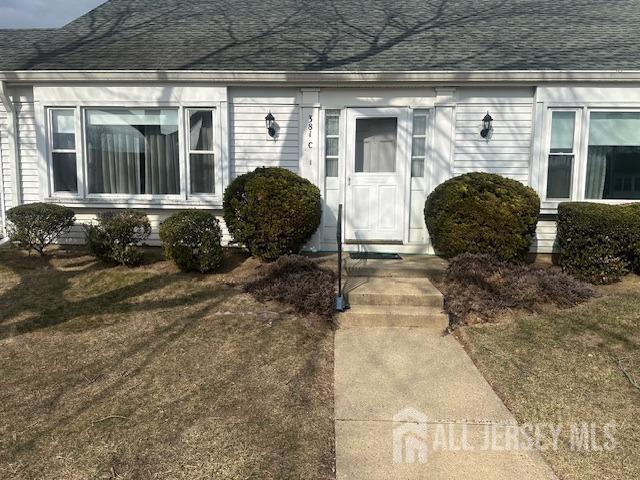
579 365
149 373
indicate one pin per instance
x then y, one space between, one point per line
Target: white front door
377 157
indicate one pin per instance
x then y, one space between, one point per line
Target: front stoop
398 378
392 296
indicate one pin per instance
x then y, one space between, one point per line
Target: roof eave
324 77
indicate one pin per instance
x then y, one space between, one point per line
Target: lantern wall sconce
270 121
487 128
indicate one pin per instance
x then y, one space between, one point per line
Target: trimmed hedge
482 213
272 211
35 226
192 239
599 243
116 237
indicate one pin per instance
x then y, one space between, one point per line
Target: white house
158 104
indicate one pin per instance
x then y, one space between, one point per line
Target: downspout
12 140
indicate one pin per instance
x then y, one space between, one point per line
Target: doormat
374 256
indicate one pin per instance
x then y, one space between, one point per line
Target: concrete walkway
409 403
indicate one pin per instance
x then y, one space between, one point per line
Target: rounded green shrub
34 226
272 211
482 213
192 239
599 243
117 236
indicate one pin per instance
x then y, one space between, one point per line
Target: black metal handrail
341 304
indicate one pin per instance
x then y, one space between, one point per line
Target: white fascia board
527 77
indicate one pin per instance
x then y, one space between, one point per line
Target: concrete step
393 316
406 291
430 267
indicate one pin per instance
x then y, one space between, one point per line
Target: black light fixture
486 126
271 125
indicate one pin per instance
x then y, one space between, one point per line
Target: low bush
272 211
192 240
479 287
599 243
35 226
117 236
482 213
297 281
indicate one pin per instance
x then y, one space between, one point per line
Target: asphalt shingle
336 35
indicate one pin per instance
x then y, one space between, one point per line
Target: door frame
403 162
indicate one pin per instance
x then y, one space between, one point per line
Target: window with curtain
132 151
561 154
63 151
201 152
613 158
332 142
419 143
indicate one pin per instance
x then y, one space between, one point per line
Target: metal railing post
341 304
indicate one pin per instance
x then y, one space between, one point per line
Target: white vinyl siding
28 148
5 164
252 147
507 152
88 215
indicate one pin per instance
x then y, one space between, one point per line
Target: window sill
200 202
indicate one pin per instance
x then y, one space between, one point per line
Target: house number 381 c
310 128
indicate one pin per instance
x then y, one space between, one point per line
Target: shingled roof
336 35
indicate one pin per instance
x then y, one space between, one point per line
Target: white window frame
134 196
77 151
577 151
215 152
426 113
113 200
581 148
336 113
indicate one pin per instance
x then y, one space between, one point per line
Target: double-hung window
201 152
137 153
606 168
62 144
561 154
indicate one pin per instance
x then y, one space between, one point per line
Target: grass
116 373
576 365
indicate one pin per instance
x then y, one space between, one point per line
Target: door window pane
613 158
201 130
376 145
133 151
65 178
202 170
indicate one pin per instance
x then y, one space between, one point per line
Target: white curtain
162 173
596 171
114 160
